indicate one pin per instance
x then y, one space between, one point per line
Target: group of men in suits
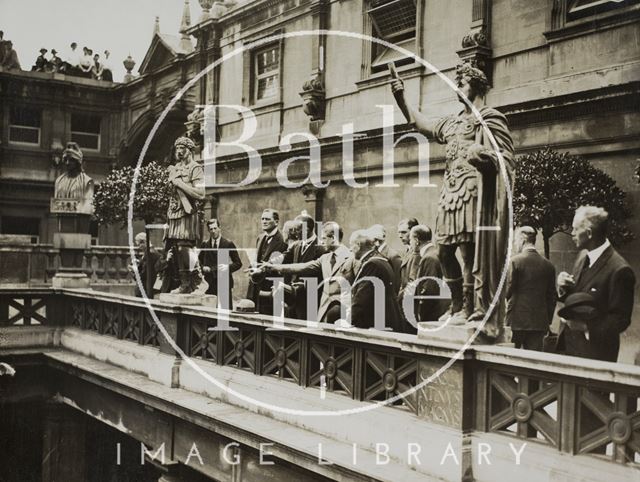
597 296
326 281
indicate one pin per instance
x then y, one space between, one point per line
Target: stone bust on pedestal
72 206
74 184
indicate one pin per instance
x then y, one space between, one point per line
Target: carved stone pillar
63 448
313 90
315 197
476 45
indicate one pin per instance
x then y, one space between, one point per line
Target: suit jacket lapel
340 260
590 273
261 241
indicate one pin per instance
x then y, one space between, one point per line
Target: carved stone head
72 158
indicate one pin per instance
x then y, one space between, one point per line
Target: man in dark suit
270 244
366 299
601 272
302 251
409 255
530 292
428 271
213 270
153 263
379 234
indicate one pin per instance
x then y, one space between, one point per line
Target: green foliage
111 197
549 186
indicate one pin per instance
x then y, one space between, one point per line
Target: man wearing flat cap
74 183
604 275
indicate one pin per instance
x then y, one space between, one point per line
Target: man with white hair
602 273
374 270
379 234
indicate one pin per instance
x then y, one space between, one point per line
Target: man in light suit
270 244
209 251
530 292
379 234
329 268
302 251
602 273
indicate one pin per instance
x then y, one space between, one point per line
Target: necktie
585 267
332 260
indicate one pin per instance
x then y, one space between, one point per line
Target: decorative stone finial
129 64
156 26
206 9
185 40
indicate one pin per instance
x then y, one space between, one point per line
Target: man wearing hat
41 61
55 62
604 275
530 292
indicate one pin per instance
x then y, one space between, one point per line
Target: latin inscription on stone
440 400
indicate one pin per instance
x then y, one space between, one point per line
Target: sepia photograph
319 240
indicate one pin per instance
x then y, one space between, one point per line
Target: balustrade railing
37 264
575 406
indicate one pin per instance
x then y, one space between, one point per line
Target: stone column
315 197
63 448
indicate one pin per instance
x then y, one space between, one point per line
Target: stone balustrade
558 406
35 264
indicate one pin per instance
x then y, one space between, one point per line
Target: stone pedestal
189 299
458 333
72 239
445 331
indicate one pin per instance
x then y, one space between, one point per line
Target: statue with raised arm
74 185
187 179
473 205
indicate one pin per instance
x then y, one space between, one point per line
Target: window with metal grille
266 68
393 21
578 9
85 130
24 125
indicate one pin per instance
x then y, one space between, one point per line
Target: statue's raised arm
410 113
473 196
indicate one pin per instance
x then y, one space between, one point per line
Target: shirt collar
310 240
594 254
271 233
367 254
424 249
